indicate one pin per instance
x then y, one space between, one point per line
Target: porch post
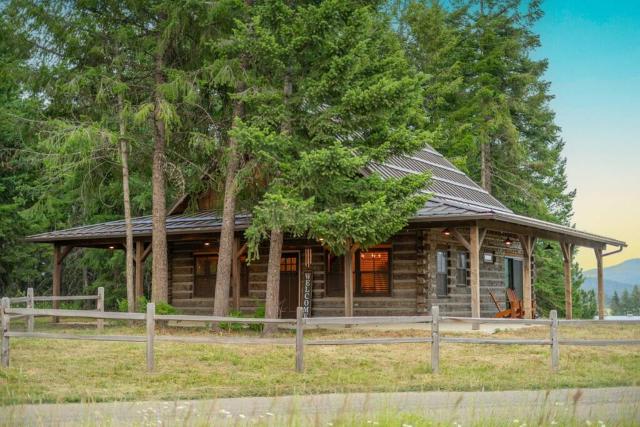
527 249
235 273
567 250
57 276
139 285
348 282
598 253
474 258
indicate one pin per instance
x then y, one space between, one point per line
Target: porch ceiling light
207 243
112 247
508 242
548 247
446 232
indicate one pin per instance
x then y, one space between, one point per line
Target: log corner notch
567 254
528 242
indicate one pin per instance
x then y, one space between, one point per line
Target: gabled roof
447 181
455 198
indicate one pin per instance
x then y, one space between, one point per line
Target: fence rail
434 338
30 300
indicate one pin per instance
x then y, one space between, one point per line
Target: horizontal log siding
458 300
402 301
413 285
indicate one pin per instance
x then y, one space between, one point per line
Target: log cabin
460 247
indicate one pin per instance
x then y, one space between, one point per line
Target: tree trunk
225 251
124 154
272 302
160 276
485 166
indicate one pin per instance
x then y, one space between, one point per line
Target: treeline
114 109
627 303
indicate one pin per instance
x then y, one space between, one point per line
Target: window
334 275
373 272
205 276
288 263
462 268
442 280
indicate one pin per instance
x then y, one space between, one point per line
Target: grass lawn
69 371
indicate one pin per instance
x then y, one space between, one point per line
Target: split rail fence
150 317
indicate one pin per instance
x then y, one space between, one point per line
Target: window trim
358 287
445 251
465 268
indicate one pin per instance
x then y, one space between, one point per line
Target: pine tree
335 94
615 303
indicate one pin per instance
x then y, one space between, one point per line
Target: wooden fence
434 338
30 301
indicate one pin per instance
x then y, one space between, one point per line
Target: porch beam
146 252
567 250
139 273
474 258
527 243
59 254
598 253
464 242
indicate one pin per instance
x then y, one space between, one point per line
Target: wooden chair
517 309
501 313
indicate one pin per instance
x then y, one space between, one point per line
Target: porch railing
435 320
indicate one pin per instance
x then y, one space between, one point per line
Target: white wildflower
242 416
269 414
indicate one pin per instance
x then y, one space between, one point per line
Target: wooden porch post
57 275
567 249
598 253
474 258
59 254
348 281
235 272
527 249
139 278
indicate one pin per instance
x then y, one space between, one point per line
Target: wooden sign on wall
307 292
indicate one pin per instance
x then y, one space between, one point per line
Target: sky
593 48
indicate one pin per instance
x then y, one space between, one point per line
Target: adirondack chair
501 313
517 309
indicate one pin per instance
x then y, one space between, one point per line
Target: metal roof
455 197
201 222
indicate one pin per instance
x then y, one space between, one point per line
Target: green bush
161 307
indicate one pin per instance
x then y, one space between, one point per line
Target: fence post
5 330
299 340
151 331
100 307
555 345
31 318
435 339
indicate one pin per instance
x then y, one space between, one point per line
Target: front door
205 276
289 285
513 275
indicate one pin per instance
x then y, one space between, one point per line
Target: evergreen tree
488 105
615 303
335 93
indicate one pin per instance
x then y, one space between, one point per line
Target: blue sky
593 49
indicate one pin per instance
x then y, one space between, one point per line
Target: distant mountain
616 278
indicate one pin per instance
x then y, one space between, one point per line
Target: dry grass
67 371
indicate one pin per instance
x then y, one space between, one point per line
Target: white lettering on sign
307 293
